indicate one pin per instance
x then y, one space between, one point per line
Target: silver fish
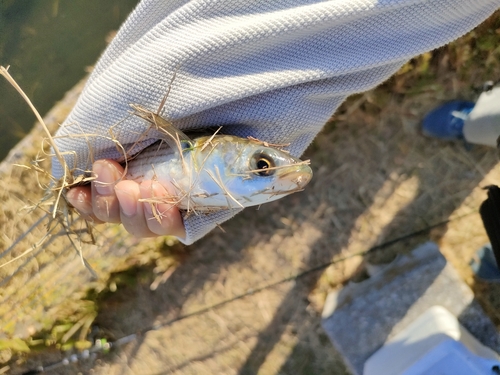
217 172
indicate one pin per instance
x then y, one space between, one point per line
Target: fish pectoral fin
174 137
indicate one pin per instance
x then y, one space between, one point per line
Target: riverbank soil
376 179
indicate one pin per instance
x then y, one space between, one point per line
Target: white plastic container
435 343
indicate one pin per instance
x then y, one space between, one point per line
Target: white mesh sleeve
276 70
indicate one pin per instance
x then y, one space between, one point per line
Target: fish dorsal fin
175 138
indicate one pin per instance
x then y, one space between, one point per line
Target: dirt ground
376 179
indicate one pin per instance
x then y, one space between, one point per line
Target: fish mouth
297 178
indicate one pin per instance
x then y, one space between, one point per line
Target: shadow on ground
375 180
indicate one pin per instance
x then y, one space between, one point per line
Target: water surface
48 45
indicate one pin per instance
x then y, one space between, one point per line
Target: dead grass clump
44 288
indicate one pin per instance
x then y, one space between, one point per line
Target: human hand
112 199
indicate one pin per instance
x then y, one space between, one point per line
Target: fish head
261 173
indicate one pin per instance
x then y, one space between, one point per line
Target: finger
162 218
131 210
80 197
104 202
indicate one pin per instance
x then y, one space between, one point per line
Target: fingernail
127 201
80 200
155 190
106 177
148 207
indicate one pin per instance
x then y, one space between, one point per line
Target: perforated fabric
276 70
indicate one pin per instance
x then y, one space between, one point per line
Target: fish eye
263 164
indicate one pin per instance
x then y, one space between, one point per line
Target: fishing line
104 346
